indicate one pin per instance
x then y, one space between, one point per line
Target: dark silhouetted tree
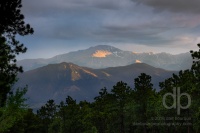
11 24
144 96
101 110
47 113
121 92
196 90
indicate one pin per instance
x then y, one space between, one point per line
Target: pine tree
11 24
144 96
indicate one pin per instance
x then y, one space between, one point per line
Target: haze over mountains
57 81
103 56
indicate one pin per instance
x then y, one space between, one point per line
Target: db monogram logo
176 95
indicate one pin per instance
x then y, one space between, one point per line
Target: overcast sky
171 26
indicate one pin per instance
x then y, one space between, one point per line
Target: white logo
176 99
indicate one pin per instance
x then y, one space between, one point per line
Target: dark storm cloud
52 7
137 35
72 19
184 6
110 20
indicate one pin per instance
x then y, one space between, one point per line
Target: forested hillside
56 81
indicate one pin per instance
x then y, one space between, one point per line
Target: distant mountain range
103 56
56 81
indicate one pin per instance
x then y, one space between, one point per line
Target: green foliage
120 96
145 100
195 89
47 114
101 110
13 112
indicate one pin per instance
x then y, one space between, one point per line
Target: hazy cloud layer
184 6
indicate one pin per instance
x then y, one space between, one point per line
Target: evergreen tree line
124 109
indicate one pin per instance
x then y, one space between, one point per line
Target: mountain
103 56
56 81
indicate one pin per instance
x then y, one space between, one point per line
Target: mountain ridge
56 81
104 56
